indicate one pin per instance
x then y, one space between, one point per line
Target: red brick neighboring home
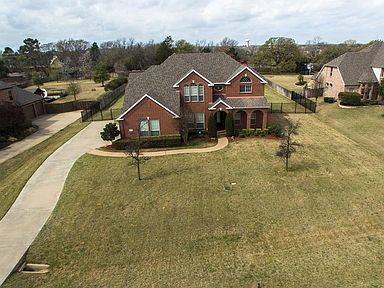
31 104
359 72
190 87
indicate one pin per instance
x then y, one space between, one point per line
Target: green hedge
371 102
350 98
150 142
329 99
115 83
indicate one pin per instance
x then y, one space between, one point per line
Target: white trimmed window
194 92
186 93
199 120
245 85
154 126
253 120
237 119
201 93
144 128
149 127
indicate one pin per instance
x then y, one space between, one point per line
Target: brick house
31 104
359 72
189 88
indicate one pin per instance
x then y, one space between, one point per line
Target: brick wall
148 108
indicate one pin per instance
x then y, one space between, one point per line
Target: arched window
245 85
194 92
186 93
201 93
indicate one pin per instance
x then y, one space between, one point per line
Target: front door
220 120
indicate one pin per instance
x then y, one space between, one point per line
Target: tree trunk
286 163
138 170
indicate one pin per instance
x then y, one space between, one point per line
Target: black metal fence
100 115
292 107
303 101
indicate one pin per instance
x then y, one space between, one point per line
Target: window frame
186 89
200 96
203 120
147 124
235 120
194 86
247 85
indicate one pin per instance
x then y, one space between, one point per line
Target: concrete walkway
48 125
221 143
32 208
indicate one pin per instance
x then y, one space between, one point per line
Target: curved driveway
32 208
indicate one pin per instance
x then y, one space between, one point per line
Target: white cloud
96 20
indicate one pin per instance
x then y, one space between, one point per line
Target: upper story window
10 95
219 88
194 93
331 73
245 85
186 93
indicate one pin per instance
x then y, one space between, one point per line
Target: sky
334 21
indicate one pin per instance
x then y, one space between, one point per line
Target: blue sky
211 20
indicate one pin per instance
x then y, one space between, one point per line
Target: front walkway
49 124
24 220
221 143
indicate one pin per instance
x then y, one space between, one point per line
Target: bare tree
186 118
288 145
133 150
74 89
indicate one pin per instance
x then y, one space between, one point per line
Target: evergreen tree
212 129
110 132
229 125
100 74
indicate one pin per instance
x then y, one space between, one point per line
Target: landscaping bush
247 132
371 102
275 129
212 129
229 125
350 98
258 131
150 142
115 83
196 133
329 99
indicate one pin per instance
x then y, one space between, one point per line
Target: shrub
3 139
371 102
275 129
150 142
229 125
110 132
195 133
350 98
329 99
247 132
264 132
212 129
258 131
115 83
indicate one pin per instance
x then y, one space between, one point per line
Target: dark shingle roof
158 80
356 67
242 103
21 96
4 85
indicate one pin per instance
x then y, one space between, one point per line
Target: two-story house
190 87
359 72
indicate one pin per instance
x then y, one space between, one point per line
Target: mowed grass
319 225
16 171
89 89
288 80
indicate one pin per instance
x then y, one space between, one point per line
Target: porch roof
241 103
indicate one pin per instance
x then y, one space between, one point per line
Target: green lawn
89 89
274 97
185 225
16 171
288 80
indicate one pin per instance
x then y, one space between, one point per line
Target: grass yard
86 93
274 97
288 80
16 171
185 225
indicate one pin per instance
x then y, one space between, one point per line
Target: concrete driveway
24 220
48 125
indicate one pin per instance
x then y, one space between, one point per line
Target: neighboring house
188 88
359 72
31 104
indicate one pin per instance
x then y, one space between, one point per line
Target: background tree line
78 58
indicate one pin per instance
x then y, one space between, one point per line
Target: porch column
265 119
365 92
371 92
248 119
